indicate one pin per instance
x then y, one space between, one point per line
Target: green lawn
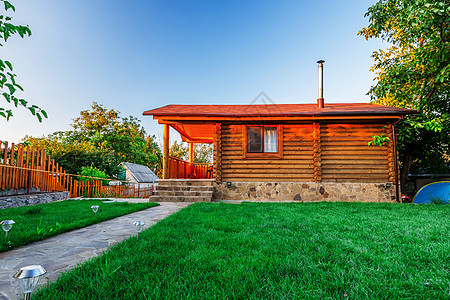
275 250
38 222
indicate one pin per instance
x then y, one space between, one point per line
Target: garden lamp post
139 225
95 209
29 278
6 226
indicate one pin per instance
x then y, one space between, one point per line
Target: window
262 141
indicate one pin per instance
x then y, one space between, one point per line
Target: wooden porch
181 169
176 168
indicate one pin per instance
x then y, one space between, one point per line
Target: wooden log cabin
303 152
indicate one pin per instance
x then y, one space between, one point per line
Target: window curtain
270 139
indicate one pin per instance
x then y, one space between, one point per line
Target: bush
93 172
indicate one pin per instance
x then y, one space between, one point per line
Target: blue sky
137 55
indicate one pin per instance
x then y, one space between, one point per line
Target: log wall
296 164
346 156
319 152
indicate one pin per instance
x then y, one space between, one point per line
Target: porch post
191 152
165 165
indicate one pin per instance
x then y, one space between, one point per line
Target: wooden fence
181 169
96 189
24 169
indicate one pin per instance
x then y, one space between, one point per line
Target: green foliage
274 251
203 153
415 73
43 231
379 140
73 154
102 139
8 83
153 150
92 172
179 150
42 221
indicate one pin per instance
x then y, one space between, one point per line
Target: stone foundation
21 191
31 199
304 191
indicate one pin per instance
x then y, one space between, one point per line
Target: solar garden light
29 278
139 225
95 209
6 226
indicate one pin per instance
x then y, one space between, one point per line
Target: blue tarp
433 192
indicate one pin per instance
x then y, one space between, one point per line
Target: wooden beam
191 153
166 152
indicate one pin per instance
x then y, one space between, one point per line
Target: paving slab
63 252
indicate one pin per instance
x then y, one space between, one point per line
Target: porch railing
181 169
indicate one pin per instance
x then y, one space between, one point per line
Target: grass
38 222
275 251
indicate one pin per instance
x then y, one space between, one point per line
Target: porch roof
196 133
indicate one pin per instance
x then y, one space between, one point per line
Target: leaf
11 88
39 117
9 5
15 100
9 65
18 86
33 110
44 113
7 97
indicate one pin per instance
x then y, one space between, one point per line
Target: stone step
171 193
186 182
157 198
184 188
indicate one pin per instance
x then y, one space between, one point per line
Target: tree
153 148
107 130
8 83
72 155
414 72
102 139
179 150
202 152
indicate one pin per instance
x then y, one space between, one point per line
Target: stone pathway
65 251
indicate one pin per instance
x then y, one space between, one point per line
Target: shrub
93 172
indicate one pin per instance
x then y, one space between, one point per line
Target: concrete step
157 198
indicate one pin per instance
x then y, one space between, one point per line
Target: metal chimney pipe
320 100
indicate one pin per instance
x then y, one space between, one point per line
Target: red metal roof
277 110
